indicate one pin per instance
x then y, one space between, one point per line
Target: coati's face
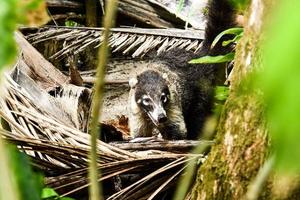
152 95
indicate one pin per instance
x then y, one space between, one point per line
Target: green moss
234 172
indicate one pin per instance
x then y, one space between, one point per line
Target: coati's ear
165 75
133 82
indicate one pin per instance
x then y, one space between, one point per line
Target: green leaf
71 23
231 31
235 39
49 193
66 198
8 24
213 59
12 13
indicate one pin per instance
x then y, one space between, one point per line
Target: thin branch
51 17
171 146
92 80
95 190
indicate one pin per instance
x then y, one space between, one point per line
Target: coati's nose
162 118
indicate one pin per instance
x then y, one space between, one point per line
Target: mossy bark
242 140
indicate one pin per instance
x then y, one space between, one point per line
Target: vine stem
95 190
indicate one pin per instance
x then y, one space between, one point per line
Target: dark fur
151 82
197 81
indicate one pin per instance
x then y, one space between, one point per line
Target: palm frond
60 149
134 41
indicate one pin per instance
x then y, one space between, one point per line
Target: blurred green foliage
29 184
221 94
9 18
281 84
12 13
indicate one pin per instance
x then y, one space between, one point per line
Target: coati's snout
154 108
162 118
152 95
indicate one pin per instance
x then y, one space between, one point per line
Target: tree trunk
91 13
241 141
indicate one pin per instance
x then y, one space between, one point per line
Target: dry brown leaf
121 124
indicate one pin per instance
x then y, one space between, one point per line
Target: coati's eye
146 101
164 98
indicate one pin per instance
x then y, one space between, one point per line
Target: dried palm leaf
32 63
61 150
135 41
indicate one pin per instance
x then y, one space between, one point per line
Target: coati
172 96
